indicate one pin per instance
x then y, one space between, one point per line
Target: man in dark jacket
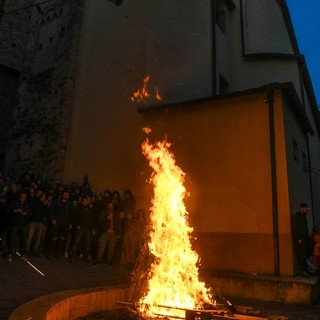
109 222
300 236
60 224
85 227
19 212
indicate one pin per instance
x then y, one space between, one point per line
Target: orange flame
173 278
143 95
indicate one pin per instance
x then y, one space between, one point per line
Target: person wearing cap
300 236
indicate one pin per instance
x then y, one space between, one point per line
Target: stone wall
8 85
45 37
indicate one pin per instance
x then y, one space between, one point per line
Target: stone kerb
71 304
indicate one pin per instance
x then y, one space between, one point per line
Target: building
237 105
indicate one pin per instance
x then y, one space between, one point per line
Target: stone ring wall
71 304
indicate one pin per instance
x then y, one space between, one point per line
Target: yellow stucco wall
224 148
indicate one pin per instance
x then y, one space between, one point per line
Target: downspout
213 48
274 183
300 62
311 182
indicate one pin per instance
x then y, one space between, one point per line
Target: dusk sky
306 21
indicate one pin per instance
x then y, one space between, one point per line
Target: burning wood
219 312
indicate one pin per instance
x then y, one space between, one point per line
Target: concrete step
283 289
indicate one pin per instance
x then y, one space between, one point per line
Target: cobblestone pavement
21 282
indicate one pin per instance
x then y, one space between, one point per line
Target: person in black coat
300 237
84 228
19 212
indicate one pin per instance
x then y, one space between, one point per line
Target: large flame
174 277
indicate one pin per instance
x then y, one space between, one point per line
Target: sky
306 21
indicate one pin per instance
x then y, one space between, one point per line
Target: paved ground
20 282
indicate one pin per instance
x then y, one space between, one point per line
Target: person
316 250
60 225
70 237
109 221
44 238
20 212
36 222
84 228
4 225
116 200
128 257
13 192
300 235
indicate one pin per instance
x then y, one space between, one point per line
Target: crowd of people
45 218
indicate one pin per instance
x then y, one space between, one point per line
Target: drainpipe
213 48
310 181
274 184
300 62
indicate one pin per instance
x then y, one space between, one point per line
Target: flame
143 95
173 278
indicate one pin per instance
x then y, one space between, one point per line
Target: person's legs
77 240
301 252
102 243
87 244
112 241
22 230
37 237
30 234
12 242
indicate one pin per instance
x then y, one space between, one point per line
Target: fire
174 277
142 95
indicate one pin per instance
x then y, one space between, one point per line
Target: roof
287 88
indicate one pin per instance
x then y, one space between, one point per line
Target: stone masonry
39 40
